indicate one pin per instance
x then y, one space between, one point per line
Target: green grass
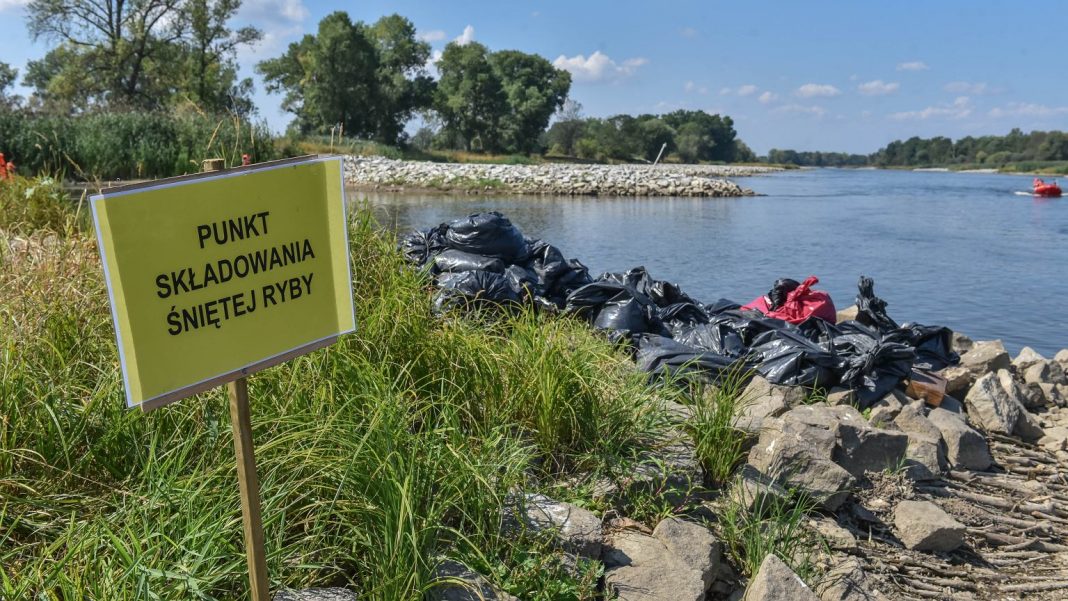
772 525
718 442
391 448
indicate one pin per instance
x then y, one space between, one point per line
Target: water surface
958 249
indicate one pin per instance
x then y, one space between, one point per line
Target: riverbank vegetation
1015 152
395 447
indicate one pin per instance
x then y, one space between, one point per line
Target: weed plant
392 448
771 525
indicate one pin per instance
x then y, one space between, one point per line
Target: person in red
794 302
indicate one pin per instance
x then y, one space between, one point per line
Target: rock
639 567
775 581
848 314
986 356
693 544
764 399
1054 439
886 409
835 536
965 447
1042 372
316 594
924 526
847 581
1027 357
1062 357
750 427
756 491
1028 428
952 405
1052 394
577 530
958 380
842 396
865 449
960 343
795 463
925 458
995 409
457 582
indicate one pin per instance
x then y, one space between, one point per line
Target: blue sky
814 75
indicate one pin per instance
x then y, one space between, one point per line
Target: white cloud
800 109
747 90
878 88
688 32
6 4
767 98
257 11
970 88
725 91
466 37
912 66
1027 109
688 86
958 109
598 67
811 90
434 35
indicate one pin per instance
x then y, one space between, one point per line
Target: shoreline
558 179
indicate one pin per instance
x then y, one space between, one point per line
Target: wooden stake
247 481
241 420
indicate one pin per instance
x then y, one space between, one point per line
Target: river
955 249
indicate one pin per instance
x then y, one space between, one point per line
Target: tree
534 90
136 53
470 98
403 83
654 134
693 142
8 76
568 128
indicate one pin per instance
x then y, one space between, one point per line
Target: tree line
1014 148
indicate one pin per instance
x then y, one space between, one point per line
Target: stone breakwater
551 178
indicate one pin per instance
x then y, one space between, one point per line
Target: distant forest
1016 148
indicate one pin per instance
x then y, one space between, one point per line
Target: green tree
534 90
470 98
654 134
210 68
8 76
403 83
694 142
568 128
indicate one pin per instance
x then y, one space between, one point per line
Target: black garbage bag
626 315
473 289
779 291
523 280
873 365
684 313
454 261
662 357
557 276
789 358
871 310
419 246
933 345
716 337
489 235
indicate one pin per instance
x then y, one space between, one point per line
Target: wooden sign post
216 276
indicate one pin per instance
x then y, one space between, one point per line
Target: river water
954 249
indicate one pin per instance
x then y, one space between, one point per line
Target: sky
814 75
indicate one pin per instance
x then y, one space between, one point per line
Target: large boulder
1062 357
1027 357
965 447
639 567
775 581
863 449
795 463
924 526
764 399
693 544
925 458
1043 372
986 356
992 406
577 530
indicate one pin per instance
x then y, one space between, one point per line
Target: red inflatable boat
1041 188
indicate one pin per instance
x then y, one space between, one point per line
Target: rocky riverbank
550 178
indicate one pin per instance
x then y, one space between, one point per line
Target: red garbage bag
800 304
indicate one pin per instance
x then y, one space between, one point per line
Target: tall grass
129 145
718 442
376 456
773 525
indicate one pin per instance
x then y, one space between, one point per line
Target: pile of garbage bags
789 337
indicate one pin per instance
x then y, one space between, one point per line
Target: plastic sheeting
483 260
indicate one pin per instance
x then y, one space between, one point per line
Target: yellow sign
215 276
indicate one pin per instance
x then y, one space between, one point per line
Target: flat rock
577 530
836 536
693 544
795 463
863 449
457 582
965 447
775 581
639 567
316 594
1054 439
924 526
848 581
993 407
764 399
